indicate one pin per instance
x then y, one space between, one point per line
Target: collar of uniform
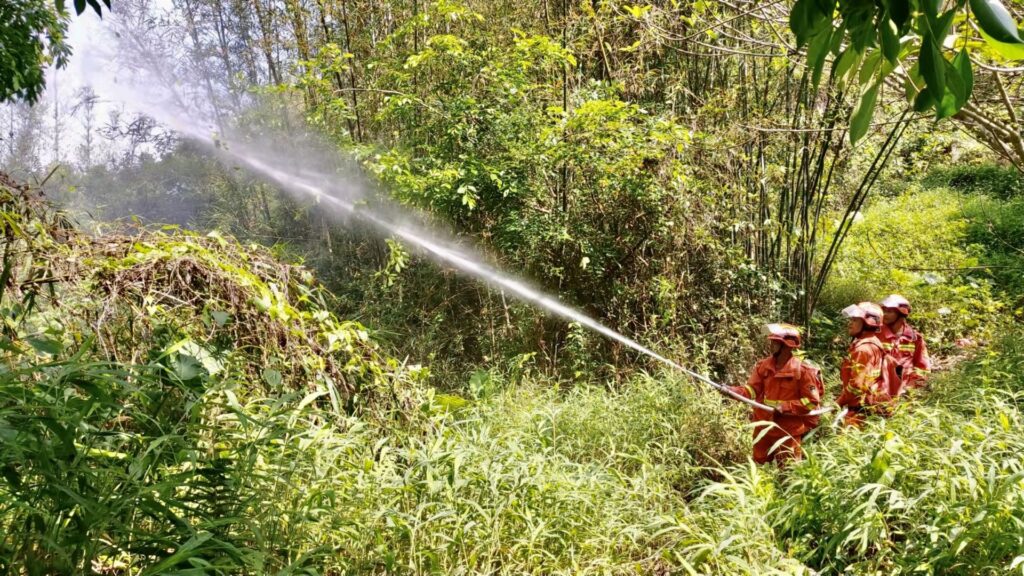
905 331
869 339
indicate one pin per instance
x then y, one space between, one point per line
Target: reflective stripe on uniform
874 374
753 395
808 403
907 347
772 403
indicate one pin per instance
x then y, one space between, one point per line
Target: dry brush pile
202 305
155 389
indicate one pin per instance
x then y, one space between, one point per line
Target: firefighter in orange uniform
791 387
865 373
903 344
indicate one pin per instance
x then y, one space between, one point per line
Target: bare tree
84 109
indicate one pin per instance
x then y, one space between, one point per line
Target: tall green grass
219 462
130 471
528 481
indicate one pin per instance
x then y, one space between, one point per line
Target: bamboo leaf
188 550
890 40
817 50
862 115
932 64
803 19
962 65
899 10
1009 51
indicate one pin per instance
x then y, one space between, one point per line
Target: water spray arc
323 187
464 262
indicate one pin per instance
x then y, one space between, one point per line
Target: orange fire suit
793 390
866 380
906 346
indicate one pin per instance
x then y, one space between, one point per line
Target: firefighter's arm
922 363
810 398
864 369
752 389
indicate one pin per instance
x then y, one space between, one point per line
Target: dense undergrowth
176 404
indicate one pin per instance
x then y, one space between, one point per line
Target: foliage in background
32 34
921 244
880 37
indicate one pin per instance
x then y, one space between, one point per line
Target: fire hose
727 392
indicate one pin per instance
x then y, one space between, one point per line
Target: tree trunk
352 71
265 20
298 17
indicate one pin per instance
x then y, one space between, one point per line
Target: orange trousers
854 417
775 446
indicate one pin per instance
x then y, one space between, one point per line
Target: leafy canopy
870 40
32 36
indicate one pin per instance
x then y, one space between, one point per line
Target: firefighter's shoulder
810 365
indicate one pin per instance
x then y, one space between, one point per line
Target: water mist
157 94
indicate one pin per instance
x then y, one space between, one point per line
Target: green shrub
919 245
996 226
988 179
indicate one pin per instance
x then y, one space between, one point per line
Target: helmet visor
786 333
853 311
896 302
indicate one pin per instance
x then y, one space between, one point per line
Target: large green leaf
861 119
933 65
959 85
995 20
954 96
890 39
187 368
272 377
869 69
1006 50
962 66
845 66
816 52
924 100
900 12
946 107
941 27
45 345
804 19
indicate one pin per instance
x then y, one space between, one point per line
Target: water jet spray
164 103
466 263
